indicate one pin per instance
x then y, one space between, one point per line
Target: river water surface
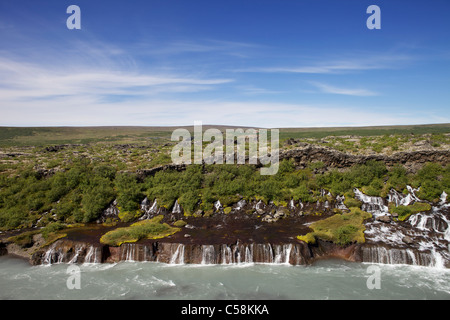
331 279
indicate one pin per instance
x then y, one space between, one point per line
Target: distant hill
28 136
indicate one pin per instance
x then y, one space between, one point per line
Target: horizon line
226 125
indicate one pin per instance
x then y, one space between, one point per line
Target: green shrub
189 201
352 202
302 193
96 197
129 192
430 190
286 166
51 228
363 175
345 234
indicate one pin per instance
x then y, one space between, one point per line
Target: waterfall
443 198
384 255
148 210
282 253
267 252
176 207
111 212
435 221
248 254
178 256
245 253
340 203
177 253
227 254
412 191
127 252
53 255
423 239
89 255
237 254
400 199
217 205
240 204
208 254
78 250
48 255
419 221
374 205
438 260
292 204
92 255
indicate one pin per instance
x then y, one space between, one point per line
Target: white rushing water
427 233
331 279
178 256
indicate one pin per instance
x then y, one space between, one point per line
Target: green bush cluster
77 194
80 191
432 180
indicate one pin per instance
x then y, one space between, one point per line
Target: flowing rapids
428 233
331 279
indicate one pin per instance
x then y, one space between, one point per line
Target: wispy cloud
87 111
207 46
20 80
252 90
326 88
326 65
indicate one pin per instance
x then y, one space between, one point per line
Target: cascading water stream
423 239
178 256
92 255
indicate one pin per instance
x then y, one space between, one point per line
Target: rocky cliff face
239 237
298 253
67 251
336 159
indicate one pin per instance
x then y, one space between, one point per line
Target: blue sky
296 63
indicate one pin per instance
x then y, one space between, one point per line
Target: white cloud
324 65
326 88
99 84
38 95
20 81
88 111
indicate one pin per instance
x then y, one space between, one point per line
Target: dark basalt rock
3 250
336 159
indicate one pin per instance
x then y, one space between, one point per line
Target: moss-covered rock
180 223
150 229
403 212
227 210
341 229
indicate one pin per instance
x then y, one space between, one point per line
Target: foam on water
150 280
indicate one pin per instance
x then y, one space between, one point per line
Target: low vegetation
81 191
145 229
341 229
46 185
404 212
